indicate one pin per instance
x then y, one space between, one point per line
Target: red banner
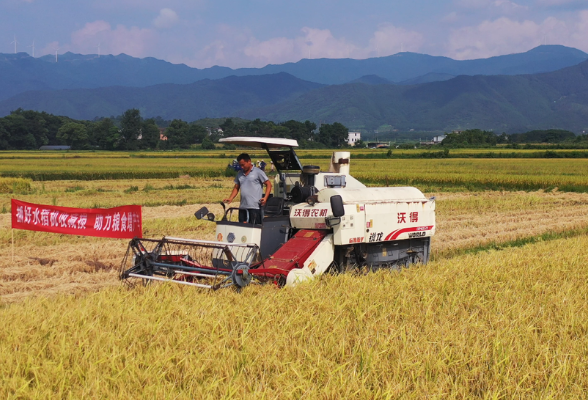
120 222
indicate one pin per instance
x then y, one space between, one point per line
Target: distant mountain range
20 72
556 99
202 99
501 103
407 90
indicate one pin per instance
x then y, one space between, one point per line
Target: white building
353 138
438 139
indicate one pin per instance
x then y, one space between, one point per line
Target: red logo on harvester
394 234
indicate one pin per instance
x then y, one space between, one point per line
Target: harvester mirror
203 212
337 206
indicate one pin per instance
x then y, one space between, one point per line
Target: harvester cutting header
315 222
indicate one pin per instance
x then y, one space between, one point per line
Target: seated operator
250 180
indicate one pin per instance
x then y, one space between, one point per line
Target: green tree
333 135
149 135
73 134
228 127
197 134
471 138
207 144
36 125
21 138
178 134
105 134
300 131
543 136
130 130
4 136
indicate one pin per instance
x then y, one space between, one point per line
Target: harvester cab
314 222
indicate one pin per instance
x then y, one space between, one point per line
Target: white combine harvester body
371 215
315 222
381 222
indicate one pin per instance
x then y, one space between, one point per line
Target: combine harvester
316 222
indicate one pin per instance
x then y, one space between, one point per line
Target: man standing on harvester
250 181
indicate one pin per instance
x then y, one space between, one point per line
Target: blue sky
253 33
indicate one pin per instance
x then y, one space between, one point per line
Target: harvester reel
241 276
205 264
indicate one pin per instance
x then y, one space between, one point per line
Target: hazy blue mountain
427 78
372 80
202 99
502 103
20 72
513 103
404 66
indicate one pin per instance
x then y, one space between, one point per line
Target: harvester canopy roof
260 142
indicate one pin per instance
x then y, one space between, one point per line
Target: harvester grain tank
314 223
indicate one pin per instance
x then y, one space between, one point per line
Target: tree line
29 130
481 138
328 135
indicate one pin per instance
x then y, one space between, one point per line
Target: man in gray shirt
250 181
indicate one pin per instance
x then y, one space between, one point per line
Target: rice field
501 324
458 174
499 312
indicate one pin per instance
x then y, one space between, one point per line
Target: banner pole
12 245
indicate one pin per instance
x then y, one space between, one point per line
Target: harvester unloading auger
315 222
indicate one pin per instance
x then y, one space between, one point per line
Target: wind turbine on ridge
15 43
57 49
33 46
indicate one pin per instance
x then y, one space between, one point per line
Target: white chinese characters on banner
44 217
125 222
118 222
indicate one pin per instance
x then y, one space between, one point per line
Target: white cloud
389 39
133 41
240 48
508 7
315 43
166 18
51 48
491 8
450 18
503 5
503 36
580 32
558 2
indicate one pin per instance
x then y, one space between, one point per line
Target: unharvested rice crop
111 193
15 185
473 323
498 324
475 174
429 174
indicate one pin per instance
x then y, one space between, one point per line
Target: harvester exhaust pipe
340 162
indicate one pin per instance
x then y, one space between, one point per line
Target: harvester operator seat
274 207
276 227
